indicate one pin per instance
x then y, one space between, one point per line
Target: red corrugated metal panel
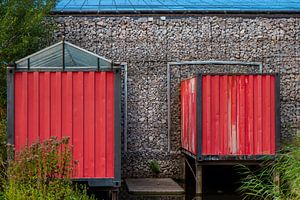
79 105
188 115
238 115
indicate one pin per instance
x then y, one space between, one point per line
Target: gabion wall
147 45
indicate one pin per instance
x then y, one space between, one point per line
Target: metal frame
199 116
99 182
122 65
208 62
277 111
228 158
200 157
116 68
69 69
125 105
117 127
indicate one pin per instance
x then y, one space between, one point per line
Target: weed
154 167
43 171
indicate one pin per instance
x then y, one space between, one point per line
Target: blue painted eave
176 5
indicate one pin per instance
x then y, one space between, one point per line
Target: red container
84 106
235 116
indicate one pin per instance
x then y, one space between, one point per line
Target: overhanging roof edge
69 12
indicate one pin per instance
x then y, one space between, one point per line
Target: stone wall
147 45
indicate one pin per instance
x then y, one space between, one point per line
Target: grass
261 185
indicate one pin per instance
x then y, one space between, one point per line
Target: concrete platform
153 186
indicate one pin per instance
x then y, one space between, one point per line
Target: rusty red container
81 105
230 116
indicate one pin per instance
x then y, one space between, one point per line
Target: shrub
25 28
261 185
43 171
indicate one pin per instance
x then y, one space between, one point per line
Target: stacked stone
148 43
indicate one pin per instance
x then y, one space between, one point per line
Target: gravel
147 46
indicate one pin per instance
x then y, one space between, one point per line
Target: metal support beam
125 105
10 109
114 195
63 55
10 105
276 179
98 64
199 182
28 64
169 103
218 62
209 62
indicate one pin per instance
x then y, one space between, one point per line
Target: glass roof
52 57
176 5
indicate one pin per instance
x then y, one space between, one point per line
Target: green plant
43 171
154 167
261 185
25 28
3 153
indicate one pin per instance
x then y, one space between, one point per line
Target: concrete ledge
153 186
